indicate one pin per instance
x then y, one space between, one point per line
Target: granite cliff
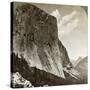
35 38
35 35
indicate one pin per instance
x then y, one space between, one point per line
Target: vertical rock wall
35 37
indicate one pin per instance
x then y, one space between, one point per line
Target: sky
72 23
73 32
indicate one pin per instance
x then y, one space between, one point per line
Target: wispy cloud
66 23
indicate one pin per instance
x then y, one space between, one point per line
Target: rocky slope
25 76
18 81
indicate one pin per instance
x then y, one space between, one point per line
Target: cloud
67 18
66 23
67 28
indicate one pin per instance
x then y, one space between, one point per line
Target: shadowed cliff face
35 37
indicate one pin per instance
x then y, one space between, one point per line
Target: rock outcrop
19 82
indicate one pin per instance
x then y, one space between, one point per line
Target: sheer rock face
35 36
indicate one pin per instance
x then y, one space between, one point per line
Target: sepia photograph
49 44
